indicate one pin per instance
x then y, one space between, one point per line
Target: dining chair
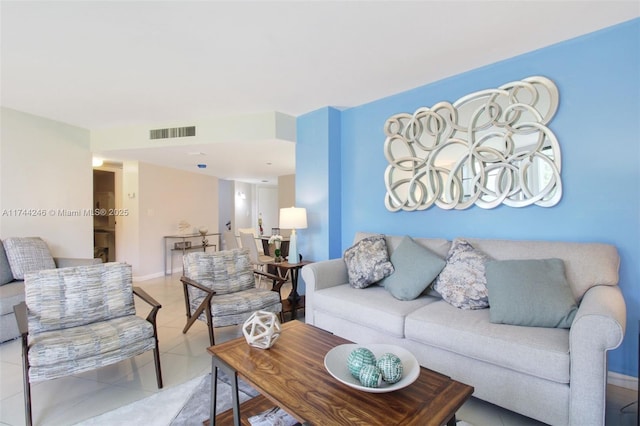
248 241
220 289
255 234
82 318
230 240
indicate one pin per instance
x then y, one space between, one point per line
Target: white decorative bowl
335 361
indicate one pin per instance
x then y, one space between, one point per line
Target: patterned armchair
220 289
82 318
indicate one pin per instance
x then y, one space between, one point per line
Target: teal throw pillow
415 268
532 292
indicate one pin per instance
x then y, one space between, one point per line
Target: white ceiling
105 64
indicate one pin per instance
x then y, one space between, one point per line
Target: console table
169 248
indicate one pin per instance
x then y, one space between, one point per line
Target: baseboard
623 381
148 277
156 275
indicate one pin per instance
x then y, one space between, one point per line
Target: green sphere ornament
370 376
358 358
391 367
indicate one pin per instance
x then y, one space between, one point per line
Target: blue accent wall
597 125
318 178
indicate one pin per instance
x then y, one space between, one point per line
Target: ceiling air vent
174 132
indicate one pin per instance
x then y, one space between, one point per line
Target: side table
294 301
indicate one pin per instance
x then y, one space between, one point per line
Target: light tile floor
69 400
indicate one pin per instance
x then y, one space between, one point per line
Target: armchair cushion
74 296
229 272
27 254
235 308
115 339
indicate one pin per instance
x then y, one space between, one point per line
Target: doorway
104 225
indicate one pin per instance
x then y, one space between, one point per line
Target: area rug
196 409
183 405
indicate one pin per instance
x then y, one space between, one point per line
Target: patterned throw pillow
368 261
462 282
26 254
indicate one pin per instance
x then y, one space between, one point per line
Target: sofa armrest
598 327
65 262
20 312
319 275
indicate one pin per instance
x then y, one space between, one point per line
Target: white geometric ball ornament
261 329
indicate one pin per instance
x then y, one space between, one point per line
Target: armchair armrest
151 301
277 280
598 327
146 297
20 311
204 306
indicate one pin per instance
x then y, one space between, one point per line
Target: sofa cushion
530 292
536 351
6 276
372 307
368 261
415 268
26 254
462 282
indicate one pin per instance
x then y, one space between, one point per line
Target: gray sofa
555 375
12 291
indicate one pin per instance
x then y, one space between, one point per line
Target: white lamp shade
293 218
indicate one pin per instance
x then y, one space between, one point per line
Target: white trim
148 277
623 381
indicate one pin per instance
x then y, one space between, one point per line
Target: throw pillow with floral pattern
462 282
368 261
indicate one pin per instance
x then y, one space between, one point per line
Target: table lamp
293 218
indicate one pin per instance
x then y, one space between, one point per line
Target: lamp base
293 248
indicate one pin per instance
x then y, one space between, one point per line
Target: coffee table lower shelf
248 408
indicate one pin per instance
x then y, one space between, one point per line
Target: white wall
163 198
267 207
287 191
243 207
45 166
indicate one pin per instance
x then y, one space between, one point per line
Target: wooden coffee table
292 375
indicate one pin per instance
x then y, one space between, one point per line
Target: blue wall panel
598 128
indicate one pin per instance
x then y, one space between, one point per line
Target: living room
340 166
